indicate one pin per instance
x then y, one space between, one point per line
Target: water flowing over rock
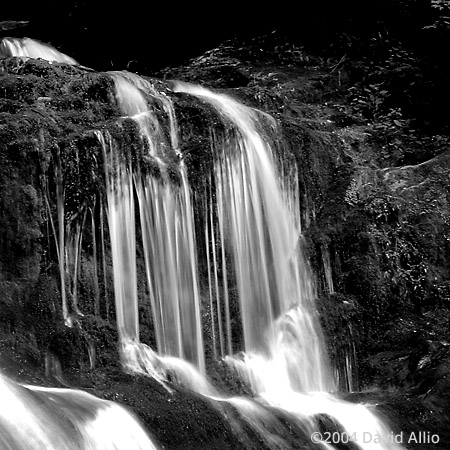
64 419
30 48
181 197
274 284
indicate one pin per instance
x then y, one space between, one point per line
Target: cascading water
35 418
166 226
31 48
275 288
284 361
253 221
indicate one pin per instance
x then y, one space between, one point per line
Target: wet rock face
41 107
50 109
384 228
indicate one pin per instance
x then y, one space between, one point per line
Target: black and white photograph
225 226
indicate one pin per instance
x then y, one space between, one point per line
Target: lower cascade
242 221
38 418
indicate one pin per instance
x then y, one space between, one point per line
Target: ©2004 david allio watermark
419 437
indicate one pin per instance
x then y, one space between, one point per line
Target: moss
385 228
200 130
20 230
70 347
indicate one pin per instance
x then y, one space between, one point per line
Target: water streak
171 267
121 220
61 234
72 257
95 263
327 268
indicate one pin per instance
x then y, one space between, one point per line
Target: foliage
442 10
401 241
388 99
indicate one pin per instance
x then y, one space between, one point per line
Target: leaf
398 123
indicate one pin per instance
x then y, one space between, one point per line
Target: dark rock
383 226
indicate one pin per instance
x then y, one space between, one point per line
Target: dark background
109 35
148 36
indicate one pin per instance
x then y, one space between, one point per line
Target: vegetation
361 104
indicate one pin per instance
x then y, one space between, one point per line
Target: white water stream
254 223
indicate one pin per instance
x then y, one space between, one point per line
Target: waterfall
255 215
171 267
167 229
252 224
121 214
284 361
